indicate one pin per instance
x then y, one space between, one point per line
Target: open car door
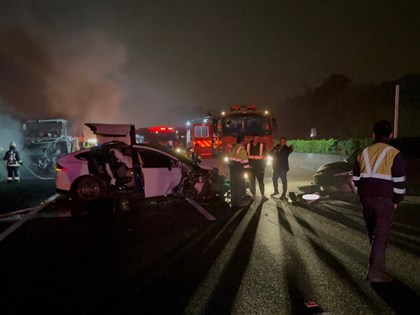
112 132
123 133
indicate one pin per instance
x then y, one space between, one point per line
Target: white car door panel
160 181
161 175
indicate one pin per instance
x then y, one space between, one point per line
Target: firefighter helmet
12 145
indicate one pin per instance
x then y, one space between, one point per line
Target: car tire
88 188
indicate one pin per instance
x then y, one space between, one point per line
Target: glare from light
266 112
188 123
310 197
269 160
246 175
226 159
223 113
178 150
92 141
205 120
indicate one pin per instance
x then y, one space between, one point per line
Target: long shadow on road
336 216
222 298
283 220
167 286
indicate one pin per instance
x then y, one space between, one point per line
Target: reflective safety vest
251 155
238 155
12 158
376 162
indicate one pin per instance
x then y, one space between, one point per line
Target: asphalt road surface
164 257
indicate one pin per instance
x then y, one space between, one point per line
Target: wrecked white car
119 165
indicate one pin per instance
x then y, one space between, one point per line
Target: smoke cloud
47 74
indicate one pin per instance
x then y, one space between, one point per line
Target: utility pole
396 110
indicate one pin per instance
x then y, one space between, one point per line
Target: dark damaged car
337 176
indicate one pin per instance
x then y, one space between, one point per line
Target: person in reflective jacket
257 155
379 177
13 163
238 164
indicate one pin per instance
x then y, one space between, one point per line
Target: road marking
200 209
34 211
10 214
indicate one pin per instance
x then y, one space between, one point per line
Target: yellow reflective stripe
378 176
381 158
367 163
399 190
399 179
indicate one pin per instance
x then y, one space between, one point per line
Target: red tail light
60 168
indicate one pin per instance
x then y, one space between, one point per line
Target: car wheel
88 188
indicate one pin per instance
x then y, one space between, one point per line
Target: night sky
162 62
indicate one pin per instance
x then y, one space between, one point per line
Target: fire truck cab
213 135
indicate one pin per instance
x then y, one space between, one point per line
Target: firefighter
257 155
379 176
238 162
13 163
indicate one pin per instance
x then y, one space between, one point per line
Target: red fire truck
166 136
212 135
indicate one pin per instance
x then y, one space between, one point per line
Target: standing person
257 154
238 162
379 176
13 163
280 155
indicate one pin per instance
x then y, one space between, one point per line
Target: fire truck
213 135
166 136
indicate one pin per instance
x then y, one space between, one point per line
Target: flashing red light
244 107
157 129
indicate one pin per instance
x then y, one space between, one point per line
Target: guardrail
313 160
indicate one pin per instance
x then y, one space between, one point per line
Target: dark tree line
341 109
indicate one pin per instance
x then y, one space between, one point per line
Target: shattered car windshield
246 125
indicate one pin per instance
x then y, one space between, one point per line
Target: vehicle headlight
269 160
178 150
226 159
246 175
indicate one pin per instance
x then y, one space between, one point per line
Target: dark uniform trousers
237 183
378 213
282 174
257 172
12 172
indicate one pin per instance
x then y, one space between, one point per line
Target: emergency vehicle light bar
243 107
161 129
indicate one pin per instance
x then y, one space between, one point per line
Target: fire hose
37 176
